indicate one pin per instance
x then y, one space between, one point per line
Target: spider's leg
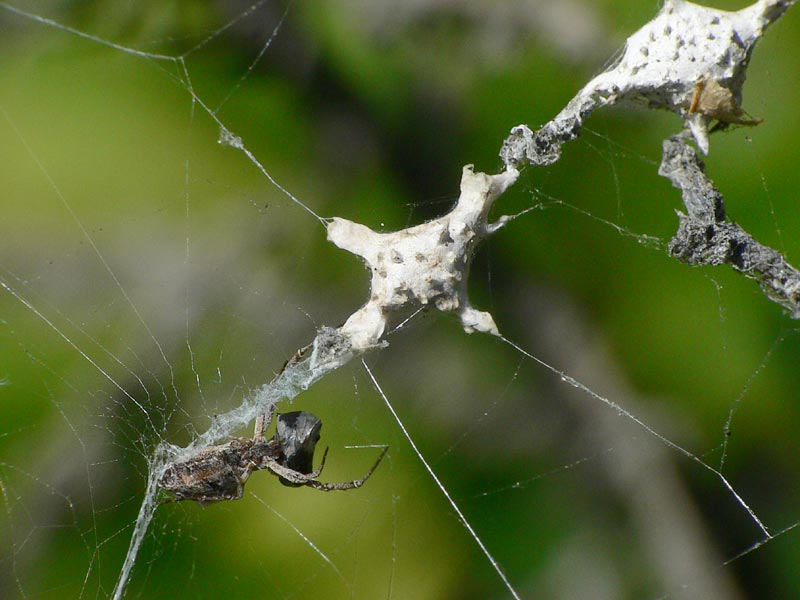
345 485
290 475
262 423
263 420
315 474
246 471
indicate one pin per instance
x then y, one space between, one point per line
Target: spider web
631 435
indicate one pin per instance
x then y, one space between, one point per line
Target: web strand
462 519
628 415
85 233
309 542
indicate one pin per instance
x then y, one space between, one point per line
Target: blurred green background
153 277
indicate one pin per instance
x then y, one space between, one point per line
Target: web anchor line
462 519
628 415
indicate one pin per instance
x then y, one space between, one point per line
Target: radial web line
440 485
219 31
91 361
187 223
726 430
93 340
79 224
307 540
84 35
761 543
393 568
622 411
258 58
173 59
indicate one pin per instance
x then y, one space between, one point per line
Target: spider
220 472
716 101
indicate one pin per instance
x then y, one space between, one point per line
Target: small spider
220 472
715 100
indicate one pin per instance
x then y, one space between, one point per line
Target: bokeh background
153 277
